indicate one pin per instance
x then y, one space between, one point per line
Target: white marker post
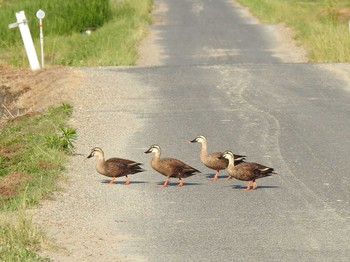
22 23
40 15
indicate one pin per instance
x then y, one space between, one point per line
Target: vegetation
321 26
30 166
78 33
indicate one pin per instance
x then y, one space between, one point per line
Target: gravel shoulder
76 217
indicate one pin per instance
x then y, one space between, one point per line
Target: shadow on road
122 182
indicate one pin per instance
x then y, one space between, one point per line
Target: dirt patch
341 14
24 90
11 184
287 48
6 151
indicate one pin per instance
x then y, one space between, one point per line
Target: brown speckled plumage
114 167
170 167
213 160
247 171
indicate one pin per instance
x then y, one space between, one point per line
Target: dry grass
23 90
321 27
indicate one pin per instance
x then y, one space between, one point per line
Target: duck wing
263 171
248 171
117 167
175 168
214 161
239 158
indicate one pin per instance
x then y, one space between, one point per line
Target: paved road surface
221 77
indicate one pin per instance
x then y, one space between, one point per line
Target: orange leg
166 182
127 180
228 178
112 181
180 182
216 176
254 185
248 186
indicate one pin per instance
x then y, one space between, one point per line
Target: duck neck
204 149
156 157
231 161
100 164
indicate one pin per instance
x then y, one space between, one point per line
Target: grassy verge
320 26
116 27
33 153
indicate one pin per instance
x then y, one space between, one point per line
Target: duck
114 167
170 167
246 171
214 160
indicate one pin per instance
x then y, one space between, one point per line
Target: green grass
117 28
30 168
320 26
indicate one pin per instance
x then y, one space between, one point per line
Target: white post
41 43
40 15
27 40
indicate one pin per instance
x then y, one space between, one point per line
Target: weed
64 141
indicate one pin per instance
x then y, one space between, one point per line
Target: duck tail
136 167
268 171
192 171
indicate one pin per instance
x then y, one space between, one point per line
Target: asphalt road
220 77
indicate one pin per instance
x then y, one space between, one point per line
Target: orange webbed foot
111 182
165 183
215 177
248 187
127 182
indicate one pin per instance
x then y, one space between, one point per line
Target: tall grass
62 17
117 27
320 26
20 239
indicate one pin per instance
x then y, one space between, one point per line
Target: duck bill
148 151
89 156
220 157
194 140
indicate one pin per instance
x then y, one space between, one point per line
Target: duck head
96 151
153 149
227 154
199 139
